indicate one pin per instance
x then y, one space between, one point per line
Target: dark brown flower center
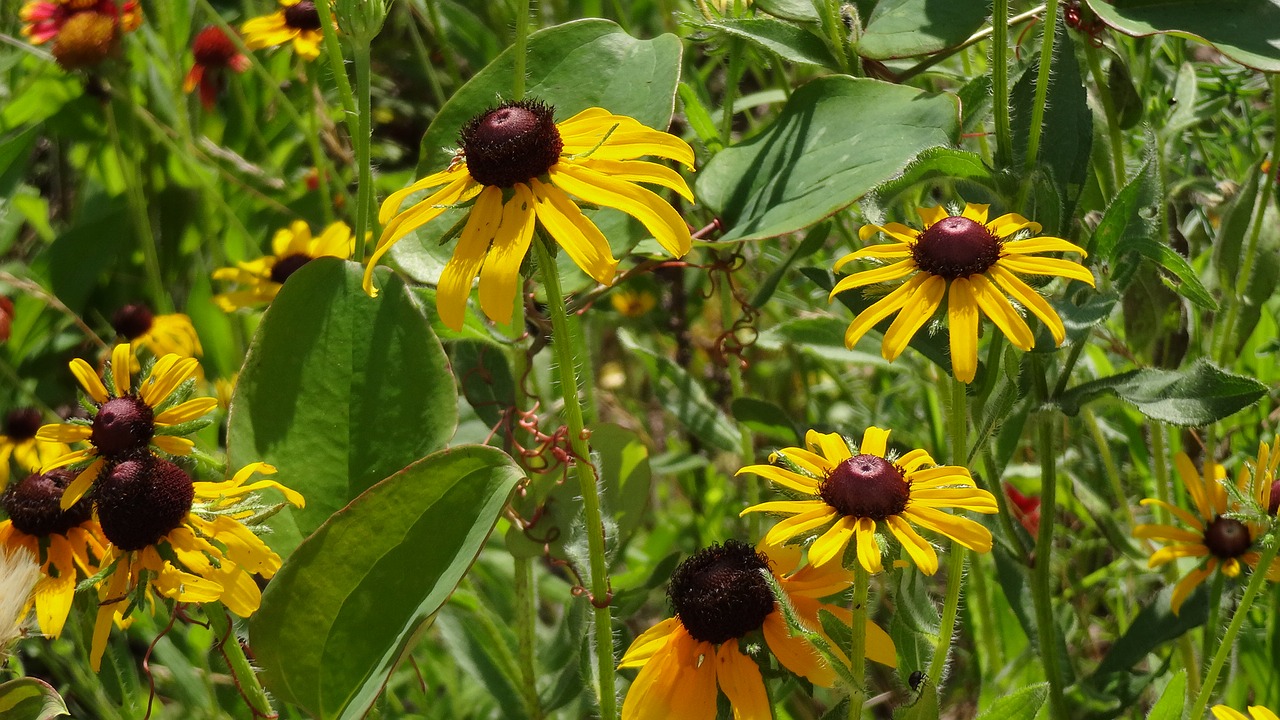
34 504
122 425
140 500
1227 538
288 265
866 486
212 47
133 321
512 144
956 247
302 16
1273 507
22 423
720 592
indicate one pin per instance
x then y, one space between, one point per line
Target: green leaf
347 603
938 163
1132 214
485 376
907 28
766 420
836 139
1155 625
791 43
623 461
338 391
30 699
812 243
798 10
1201 395
684 398
1173 701
1247 31
1022 704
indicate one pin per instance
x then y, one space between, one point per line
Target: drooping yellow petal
307 44
187 411
454 286
640 171
678 680
89 380
173 444
831 545
972 499
783 477
962 320
921 552
53 597
1185 586
881 309
1173 552
82 483
997 307
1195 486
868 547
795 653
963 530
659 218
648 643
578 236
601 135
392 204
799 526
1030 299
916 311
413 218
500 277
884 274
741 681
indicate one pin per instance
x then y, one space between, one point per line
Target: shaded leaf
1247 31
907 28
1202 395
30 698
1021 704
791 43
1155 625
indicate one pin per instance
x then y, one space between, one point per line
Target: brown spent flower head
34 504
720 592
140 500
22 424
86 39
133 321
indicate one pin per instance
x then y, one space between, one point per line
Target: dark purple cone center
512 144
302 16
288 265
22 423
133 321
1227 538
720 592
122 425
956 247
866 486
1274 506
34 504
140 500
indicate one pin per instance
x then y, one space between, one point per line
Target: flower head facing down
1256 712
972 262
214 53
18 443
297 20
292 247
159 334
62 541
520 168
1222 543
125 422
187 541
852 492
720 595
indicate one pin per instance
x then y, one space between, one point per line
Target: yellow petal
1010 223
741 681
881 309
997 307
1185 586
832 445
640 171
121 361
413 218
454 286
976 212
64 433
659 218
500 276
1047 266
1039 245
906 236
648 643
1222 712
931 215
1030 299
81 484
963 530
392 204
785 478
173 445
916 311
831 545
167 374
875 441
962 320
879 646
921 552
187 411
795 653
89 380
577 235
799 526
868 547
887 273
53 597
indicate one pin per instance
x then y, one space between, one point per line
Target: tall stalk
1046 627
957 433
858 641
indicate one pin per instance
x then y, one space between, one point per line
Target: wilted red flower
6 317
213 52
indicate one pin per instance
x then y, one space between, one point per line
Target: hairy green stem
858 641
361 138
1000 81
1041 591
521 50
957 431
583 469
1042 83
835 33
526 607
245 678
1256 581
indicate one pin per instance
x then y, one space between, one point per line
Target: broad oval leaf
338 391
790 42
1021 704
1247 31
346 604
30 699
907 28
1201 395
836 139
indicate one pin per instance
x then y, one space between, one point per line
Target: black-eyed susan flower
1257 712
296 20
187 541
720 595
63 541
851 491
18 443
292 247
159 334
519 165
125 422
972 263
1225 543
214 54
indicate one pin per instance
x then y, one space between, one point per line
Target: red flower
213 52
1026 509
43 19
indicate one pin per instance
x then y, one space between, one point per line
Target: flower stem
1046 627
1256 581
583 469
957 431
858 641
526 607
1042 85
366 217
138 208
835 36
1000 81
246 679
521 50
1109 110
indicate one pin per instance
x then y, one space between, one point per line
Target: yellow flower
125 422
852 492
720 595
1222 712
291 248
298 20
18 442
159 334
970 261
1226 542
182 539
518 166
632 303
62 540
